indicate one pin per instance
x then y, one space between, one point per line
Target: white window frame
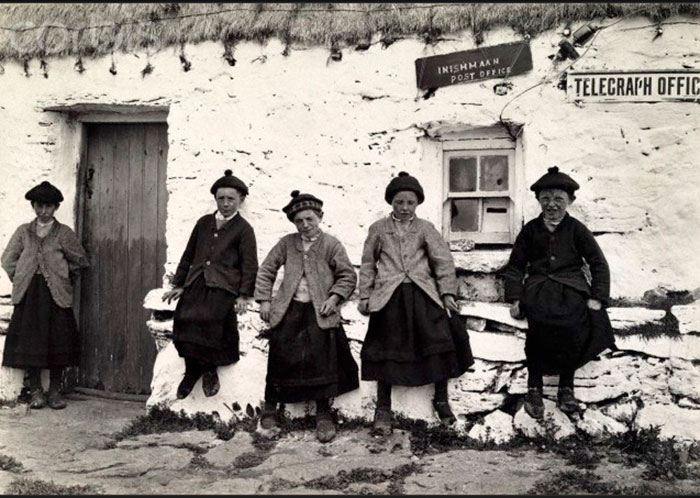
483 141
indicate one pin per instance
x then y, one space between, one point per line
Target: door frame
77 117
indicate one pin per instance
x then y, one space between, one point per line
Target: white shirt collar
221 217
393 217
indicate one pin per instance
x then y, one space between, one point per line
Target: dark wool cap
554 179
228 180
44 192
403 182
301 202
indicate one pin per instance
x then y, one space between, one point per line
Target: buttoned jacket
561 255
327 269
388 258
59 255
227 256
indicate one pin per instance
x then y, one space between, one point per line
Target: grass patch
574 482
249 459
38 487
666 327
200 462
10 464
160 419
368 475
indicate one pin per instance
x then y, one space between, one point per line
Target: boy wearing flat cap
214 282
309 356
546 282
43 260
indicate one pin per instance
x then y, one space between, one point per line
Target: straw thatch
42 30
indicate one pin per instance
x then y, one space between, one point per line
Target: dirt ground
76 451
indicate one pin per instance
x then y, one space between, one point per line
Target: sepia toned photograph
350 248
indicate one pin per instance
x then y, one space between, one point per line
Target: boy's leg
442 404
38 399
382 414
534 405
56 400
193 371
565 396
210 380
325 429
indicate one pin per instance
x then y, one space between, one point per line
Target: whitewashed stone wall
341 129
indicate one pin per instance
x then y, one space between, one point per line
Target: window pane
494 173
462 174
465 215
495 215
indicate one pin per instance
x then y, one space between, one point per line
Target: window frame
483 141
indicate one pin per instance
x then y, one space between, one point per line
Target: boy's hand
515 310
330 305
241 304
173 294
594 304
450 304
265 311
363 306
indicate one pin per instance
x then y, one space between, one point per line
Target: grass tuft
10 464
25 486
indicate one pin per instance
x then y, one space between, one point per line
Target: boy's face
44 211
404 204
554 203
228 200
307 222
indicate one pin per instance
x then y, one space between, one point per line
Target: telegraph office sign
633 86
498 61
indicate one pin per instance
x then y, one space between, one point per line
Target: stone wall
341 129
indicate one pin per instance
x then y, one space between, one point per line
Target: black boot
192 374
534 405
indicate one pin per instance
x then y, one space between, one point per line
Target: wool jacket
59 256
421 255
227 256
561 255
327 269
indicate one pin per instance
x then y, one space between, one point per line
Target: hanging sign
633 86
497 61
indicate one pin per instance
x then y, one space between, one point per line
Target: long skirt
563 333
412 341
205 325
306 362
41 334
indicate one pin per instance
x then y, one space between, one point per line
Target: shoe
444 412
325 429
56 400
534 406
38 399
210 383
566 401
186 385
382 422
268 419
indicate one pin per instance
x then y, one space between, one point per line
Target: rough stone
688 316
688 403
554 420
625 318
480 287
683 379
154 301
476 324
224 453
497 346
686 346
482 261
681 423
498 312
496 427
202 439
11 379
596 424
6 311
623 411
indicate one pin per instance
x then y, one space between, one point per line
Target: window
479 188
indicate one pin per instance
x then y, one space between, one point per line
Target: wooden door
123 230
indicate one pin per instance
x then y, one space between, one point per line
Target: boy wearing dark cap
547 284
309 356
213 282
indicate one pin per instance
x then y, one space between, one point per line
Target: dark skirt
205 325
306 362
41 334
412 341
563 333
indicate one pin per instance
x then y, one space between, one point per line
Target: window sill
481 260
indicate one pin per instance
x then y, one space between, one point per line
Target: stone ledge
626 318
498 312
482 261
688 316
154 301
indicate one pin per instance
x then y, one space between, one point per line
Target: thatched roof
97 29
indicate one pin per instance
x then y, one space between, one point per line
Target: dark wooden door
123 230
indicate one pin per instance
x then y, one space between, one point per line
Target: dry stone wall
341 129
